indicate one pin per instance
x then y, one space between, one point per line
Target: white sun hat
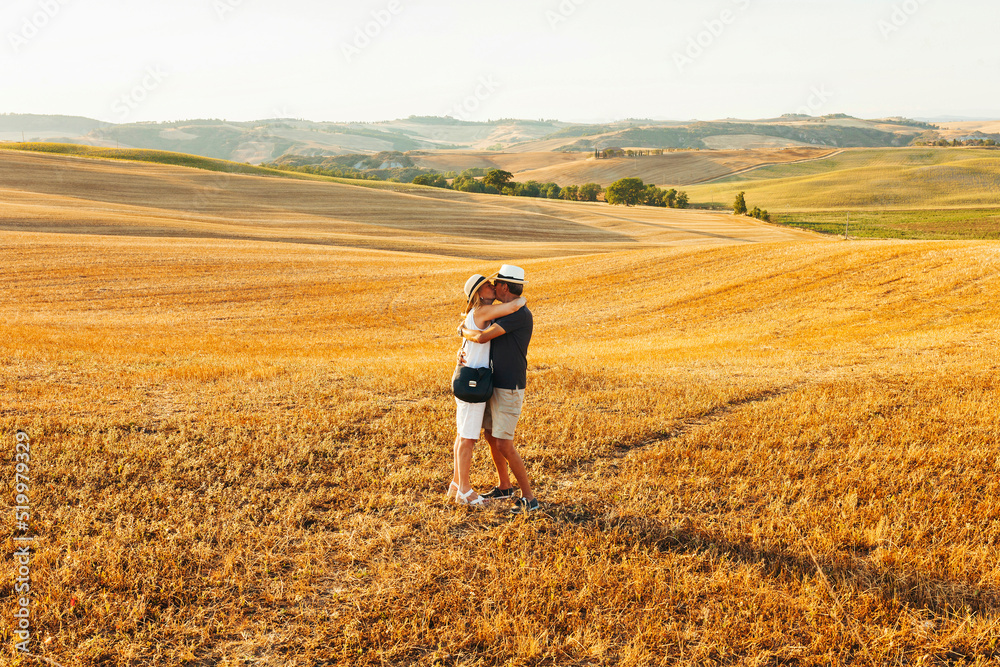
472 286
510 274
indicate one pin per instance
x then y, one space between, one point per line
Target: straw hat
510 274
472 286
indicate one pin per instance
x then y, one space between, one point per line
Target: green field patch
950 224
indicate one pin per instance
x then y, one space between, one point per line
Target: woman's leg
461 412
465 448
470 420
452 488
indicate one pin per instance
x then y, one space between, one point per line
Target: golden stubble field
752 454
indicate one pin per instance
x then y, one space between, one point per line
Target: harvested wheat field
673 168
772 453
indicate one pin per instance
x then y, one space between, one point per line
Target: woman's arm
494 311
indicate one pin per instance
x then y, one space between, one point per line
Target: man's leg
503 474
499 462
505 448
505 410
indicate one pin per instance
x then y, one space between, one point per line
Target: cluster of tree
500 182
740 208
632 192
465 181
962 142
665 198
504 183
585 192
433 180
606 153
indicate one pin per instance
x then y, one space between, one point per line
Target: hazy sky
577 60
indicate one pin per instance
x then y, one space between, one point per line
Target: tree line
962 142
623 192
500 182
632 192
608 153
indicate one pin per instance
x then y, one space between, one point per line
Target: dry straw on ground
768 454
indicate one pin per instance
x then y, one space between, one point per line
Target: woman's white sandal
463 498
452 490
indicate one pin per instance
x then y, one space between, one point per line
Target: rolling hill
80 195
908 178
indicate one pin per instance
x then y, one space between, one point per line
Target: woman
479 314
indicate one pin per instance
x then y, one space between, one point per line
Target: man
510 336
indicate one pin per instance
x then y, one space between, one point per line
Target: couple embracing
495 334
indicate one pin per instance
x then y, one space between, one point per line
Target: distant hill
31 127
289 139
835 131
268 140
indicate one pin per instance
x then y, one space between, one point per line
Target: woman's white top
477 355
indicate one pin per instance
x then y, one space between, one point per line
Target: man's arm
492 332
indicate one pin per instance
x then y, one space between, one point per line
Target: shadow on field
843 570
620 450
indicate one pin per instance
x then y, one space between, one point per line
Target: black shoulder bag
473 385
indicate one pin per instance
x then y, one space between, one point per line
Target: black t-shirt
510 351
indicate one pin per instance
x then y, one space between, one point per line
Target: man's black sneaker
523 506
499 494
